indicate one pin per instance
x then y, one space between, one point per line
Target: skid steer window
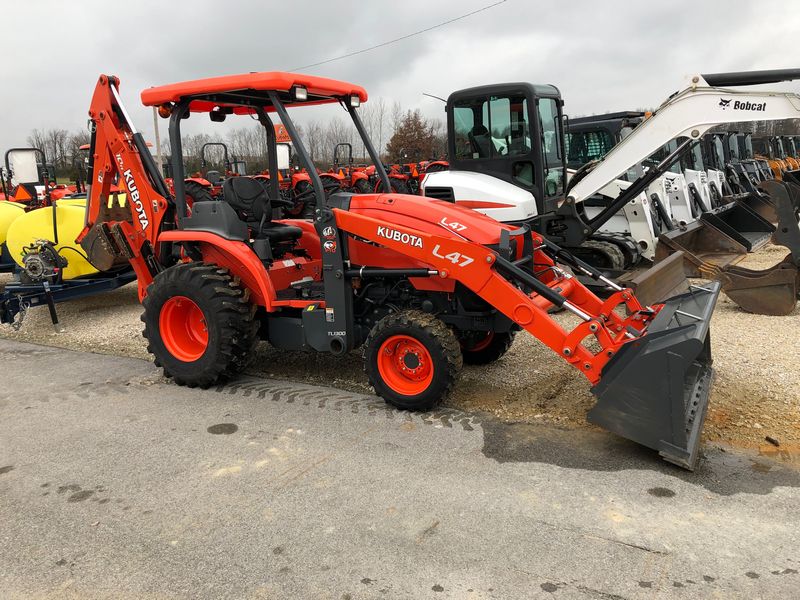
491 127
718 151
585 146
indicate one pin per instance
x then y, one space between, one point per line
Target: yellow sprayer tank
38 225
9 212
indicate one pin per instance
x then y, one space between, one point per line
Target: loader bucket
758 203
741 224
701 244
655 390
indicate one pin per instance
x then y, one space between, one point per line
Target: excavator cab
515 133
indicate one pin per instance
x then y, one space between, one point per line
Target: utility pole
158 141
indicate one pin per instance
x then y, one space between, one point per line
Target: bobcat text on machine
507 160
423 286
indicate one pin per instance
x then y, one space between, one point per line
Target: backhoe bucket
741 224
655 390
701 244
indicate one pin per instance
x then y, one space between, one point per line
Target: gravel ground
756 393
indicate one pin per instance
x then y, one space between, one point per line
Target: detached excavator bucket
655 390
758 203
772 291
654 285
742 224
702 244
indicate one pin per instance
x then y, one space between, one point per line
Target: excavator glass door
513 132
552 146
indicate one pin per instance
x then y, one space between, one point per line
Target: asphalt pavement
115 483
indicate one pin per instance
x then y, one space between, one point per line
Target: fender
335 176
237 257
359 175
298 177
200 180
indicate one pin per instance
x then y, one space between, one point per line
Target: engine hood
430 216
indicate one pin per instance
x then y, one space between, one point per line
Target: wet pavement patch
223 429
752 575
661 492
437 588
6 469
80 496
549 587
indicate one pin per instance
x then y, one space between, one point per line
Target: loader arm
690 113
650 370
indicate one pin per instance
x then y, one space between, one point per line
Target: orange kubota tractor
423 285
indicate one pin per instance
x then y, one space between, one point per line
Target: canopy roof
248 90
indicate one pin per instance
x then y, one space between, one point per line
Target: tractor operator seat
214 177
250 199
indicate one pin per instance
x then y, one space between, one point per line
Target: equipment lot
756 392
116 483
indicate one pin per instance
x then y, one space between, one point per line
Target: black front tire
483 348
441 349
227 315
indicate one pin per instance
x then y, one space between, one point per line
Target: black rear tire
362 186
485 349
227 316
398 186
431 348
196 192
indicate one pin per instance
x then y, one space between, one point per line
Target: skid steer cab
423 286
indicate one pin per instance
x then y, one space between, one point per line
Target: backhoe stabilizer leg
655 390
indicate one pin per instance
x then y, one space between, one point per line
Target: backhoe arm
117 228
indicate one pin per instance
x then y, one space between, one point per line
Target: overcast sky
603 55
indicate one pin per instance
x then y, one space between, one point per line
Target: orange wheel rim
405 365
183 328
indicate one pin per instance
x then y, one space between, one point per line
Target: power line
405 37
